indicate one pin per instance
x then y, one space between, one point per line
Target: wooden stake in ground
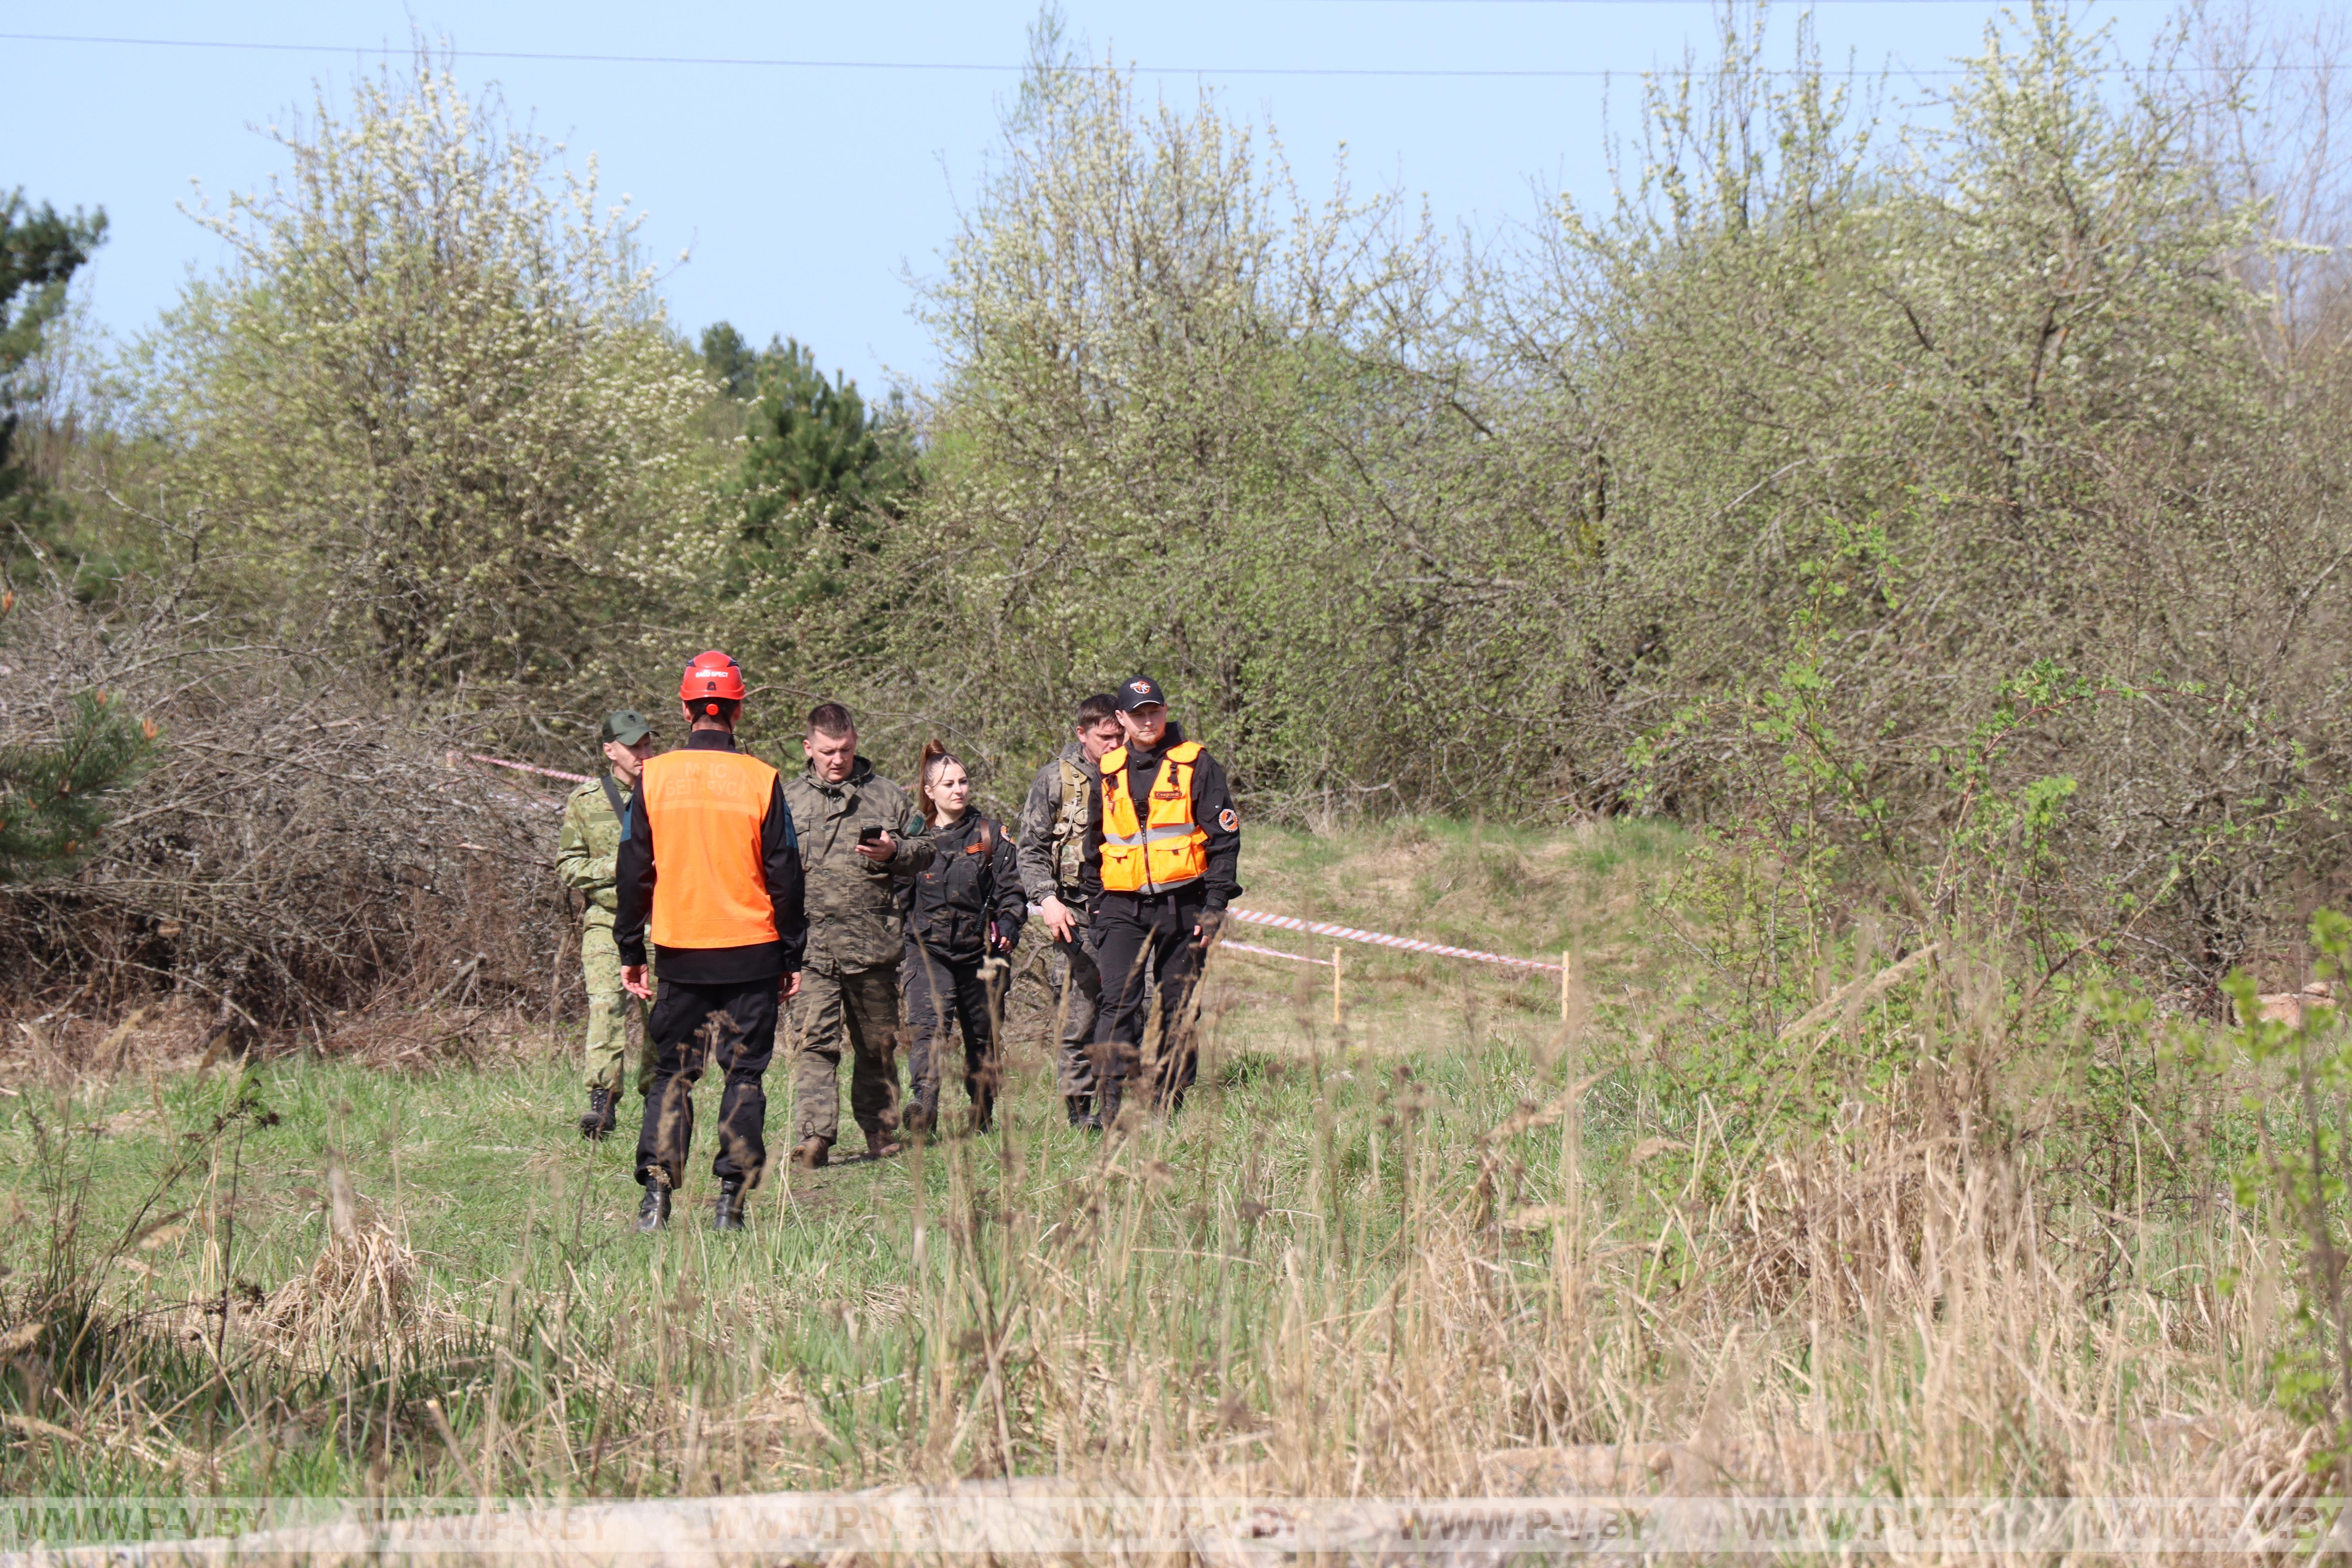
1335 987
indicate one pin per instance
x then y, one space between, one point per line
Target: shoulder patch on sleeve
1229 820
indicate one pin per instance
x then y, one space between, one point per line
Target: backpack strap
620 807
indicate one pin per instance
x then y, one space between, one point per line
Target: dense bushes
1962 481
1944 512
1956 514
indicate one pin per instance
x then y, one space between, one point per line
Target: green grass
517 1222
482 1176
1369 1253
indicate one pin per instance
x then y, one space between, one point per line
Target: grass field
1446 1245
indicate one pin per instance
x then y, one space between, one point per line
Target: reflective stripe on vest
1168 849
710 888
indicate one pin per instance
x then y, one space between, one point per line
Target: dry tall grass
1448 1248
1409 1294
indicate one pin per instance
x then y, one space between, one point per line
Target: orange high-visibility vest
1168 849
706 808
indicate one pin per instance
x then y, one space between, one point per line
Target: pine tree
814 449
40 250
54 796
732 359
821 475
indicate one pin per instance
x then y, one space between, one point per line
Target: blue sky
806 193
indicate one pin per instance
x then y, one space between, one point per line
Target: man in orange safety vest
1163 843
709 869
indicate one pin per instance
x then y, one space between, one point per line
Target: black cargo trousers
943 994
691 1025
1140 937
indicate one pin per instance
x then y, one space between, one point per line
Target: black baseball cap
626 725
1136 693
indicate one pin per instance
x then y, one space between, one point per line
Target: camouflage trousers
609 1006
855 1009
1077 995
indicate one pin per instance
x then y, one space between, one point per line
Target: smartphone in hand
870 836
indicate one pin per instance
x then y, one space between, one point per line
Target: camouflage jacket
590 839
1053 827
854 918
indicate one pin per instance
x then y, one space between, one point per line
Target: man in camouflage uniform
1053 840
860 835
593 815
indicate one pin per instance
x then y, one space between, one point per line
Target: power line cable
936 65
756 61
976 69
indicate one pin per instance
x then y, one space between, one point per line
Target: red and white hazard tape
1270 952
1381 939
1255 917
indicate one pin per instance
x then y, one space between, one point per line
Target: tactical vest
710 888
1069 825
1167 848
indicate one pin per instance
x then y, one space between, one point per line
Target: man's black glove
1210 923
1003 936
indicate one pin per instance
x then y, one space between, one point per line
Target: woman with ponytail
964 913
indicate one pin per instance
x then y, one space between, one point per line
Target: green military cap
626 725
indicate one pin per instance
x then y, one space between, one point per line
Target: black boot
601 1114
653 1209
1080 1107
728 1214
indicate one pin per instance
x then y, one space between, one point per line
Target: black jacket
635 868
973 879
1212 808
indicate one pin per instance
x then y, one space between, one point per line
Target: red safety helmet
711 674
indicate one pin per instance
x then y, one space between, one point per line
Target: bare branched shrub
299 849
